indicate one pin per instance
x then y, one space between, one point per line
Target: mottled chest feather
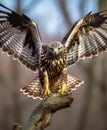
54 66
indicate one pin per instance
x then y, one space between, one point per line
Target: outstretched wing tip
87 38
6 8
18 39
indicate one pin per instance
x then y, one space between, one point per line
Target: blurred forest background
55 18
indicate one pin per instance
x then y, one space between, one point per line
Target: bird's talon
62 90
47 92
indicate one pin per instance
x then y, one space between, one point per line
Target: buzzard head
55 49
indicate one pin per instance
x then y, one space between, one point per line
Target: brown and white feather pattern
35 90
88 37
17 38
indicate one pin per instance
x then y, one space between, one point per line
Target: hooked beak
55 51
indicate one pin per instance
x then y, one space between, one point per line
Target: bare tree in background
103 83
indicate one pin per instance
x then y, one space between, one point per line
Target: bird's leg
63 81
45 82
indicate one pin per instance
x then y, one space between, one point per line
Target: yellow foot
62 90
47 92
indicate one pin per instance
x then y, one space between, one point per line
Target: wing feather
19 36
88 36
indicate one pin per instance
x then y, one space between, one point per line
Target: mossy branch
41 116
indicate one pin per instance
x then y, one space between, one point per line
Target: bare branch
41 116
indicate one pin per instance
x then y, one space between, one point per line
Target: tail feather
73 83
35 90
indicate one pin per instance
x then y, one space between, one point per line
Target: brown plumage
20 37
35 90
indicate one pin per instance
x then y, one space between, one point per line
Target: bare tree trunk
15 76
102 4
65 13
91 78
103 89
103 84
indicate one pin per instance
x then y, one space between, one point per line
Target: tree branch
41 116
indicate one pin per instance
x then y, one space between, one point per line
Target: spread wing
19 36
87 37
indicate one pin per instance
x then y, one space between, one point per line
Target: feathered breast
54 66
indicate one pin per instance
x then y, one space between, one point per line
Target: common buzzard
20 37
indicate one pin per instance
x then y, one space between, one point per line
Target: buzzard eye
59 48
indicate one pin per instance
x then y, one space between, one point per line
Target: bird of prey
20 37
